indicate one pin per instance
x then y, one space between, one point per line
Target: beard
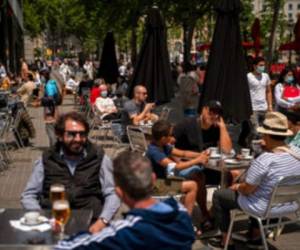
73 148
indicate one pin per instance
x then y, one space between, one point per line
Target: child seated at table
162 153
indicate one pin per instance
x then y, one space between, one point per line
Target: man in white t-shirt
260 92
105 105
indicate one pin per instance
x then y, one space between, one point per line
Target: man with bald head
137 110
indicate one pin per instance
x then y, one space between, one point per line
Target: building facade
11 34
291 8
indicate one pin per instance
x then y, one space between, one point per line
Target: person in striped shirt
254 193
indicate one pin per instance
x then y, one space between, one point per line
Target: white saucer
40 220
232 161
248 158
215 156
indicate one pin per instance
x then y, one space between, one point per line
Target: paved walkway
13 181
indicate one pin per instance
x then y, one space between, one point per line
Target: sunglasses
73 134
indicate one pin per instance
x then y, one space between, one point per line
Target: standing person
189 91
287 91
149 224
260 92
50 108
24 70
2 69
26 90
89 68
83 168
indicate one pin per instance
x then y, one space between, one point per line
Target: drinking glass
57 192
61 213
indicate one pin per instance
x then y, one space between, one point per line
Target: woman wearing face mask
105 105
260 93
287 91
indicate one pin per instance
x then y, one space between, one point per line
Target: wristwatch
105 221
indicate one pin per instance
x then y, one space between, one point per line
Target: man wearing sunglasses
84 170
136 110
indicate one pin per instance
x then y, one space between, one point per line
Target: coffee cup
214 151
32 218
245 152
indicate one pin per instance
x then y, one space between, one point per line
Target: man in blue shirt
149 224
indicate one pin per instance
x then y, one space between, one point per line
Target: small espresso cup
213 151
245 152
32 217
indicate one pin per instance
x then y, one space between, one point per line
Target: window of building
290 6
290 16
298 6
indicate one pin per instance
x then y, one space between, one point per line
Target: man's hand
235 187
97 226
149 107
203 158
221 123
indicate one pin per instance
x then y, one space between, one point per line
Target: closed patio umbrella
226 75
153 65
109 69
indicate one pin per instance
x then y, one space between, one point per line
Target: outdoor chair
164 114
287 191
137 139
97 123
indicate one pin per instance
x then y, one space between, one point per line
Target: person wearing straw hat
253 194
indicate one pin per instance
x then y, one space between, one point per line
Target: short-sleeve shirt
264 173
131 108
257 87
190 136
156 155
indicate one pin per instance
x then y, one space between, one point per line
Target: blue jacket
141 229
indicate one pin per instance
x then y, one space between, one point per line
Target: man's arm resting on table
244 188
184 153
111 200
29 197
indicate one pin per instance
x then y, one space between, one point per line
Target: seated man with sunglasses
84 170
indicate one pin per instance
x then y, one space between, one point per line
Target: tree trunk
188 31
133 45
276 9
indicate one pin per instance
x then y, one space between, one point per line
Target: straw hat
275 123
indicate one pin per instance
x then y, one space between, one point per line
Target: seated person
253 194
161 154
105 105
71 85
83 168
199 133
95 91
137 111
294 125
149 224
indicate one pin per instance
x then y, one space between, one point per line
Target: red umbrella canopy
255 34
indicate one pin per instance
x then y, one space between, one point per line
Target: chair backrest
164 114
137 139
286 191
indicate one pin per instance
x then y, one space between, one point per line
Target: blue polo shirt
157 154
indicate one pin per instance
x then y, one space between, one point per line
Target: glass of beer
57 192
61 213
